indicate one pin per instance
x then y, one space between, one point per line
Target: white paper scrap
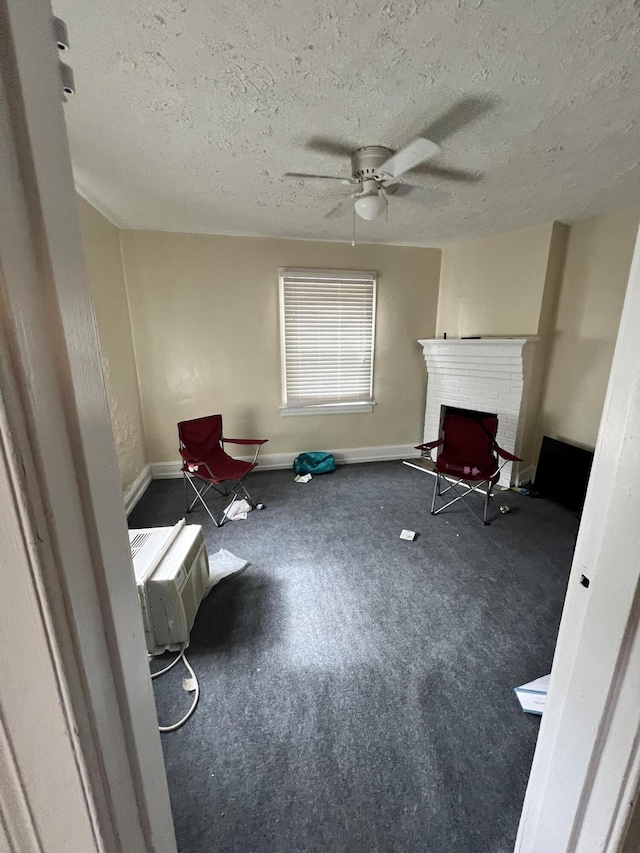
238 510
222 564
410 535
302 478
533 695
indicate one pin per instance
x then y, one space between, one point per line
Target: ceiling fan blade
337 209
460 175
421 195
324 145
409 157
464 112
317 177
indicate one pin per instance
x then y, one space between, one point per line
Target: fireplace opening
465 413
488 377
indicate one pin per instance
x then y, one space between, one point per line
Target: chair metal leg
436 491
487 498
230 492
469 490
200 498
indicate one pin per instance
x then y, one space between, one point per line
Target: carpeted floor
357 689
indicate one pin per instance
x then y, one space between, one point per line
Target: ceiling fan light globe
370 206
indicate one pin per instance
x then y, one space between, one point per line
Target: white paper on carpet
238 510
533 695
222 564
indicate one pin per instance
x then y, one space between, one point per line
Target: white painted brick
482 376
492 374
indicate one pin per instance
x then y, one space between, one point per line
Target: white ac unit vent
171 568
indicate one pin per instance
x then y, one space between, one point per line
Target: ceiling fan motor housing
366 162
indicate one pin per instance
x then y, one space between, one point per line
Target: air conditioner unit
171 568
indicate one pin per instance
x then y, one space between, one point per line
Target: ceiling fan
376 172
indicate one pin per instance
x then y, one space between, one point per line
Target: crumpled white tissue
238 510
222 564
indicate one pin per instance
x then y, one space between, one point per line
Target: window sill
327 409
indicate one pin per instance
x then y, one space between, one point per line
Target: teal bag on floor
314 462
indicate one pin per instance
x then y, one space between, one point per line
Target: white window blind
328 332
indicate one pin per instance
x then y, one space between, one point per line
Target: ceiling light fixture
371 203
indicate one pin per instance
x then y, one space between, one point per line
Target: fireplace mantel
484 375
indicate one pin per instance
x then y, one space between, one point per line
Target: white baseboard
137 489
284 461
526 475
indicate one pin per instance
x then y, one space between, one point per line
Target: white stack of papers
533 696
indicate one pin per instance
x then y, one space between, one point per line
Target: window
327 326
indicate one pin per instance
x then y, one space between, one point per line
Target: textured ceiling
188 112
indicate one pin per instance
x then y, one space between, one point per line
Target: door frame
81 765
80 756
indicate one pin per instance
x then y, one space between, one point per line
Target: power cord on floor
181 657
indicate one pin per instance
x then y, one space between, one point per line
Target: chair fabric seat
470 457
222 466
203 458
478 470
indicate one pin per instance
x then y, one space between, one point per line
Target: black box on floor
563 473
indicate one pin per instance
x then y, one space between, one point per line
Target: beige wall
507 285
494 286
565 285
593 286
204 313
532 437
102 251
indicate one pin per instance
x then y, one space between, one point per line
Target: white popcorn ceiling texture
188 112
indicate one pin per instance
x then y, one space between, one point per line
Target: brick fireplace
488 375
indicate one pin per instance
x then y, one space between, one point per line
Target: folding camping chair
204 459
469 459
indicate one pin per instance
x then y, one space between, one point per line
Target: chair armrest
504 454
430 444
245 440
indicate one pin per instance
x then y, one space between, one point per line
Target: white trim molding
81 765
284 461
329 409
137 489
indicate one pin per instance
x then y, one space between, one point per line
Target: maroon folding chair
470 459
204 459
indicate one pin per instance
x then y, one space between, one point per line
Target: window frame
288 409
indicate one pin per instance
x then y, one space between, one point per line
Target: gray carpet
357 690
